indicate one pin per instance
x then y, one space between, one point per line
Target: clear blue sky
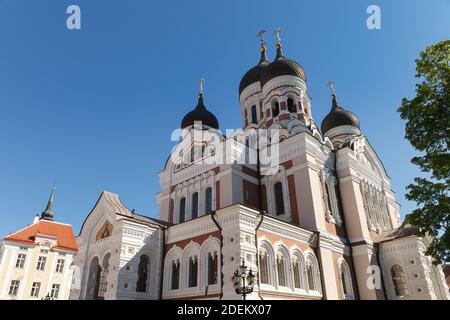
93 109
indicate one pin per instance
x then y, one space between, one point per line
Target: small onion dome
338 116
282 66
200 113
254 74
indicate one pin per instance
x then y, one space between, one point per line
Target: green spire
48 213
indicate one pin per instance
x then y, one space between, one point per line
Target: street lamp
243 281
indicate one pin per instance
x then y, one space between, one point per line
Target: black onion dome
338 116
254 74
200 113
282 66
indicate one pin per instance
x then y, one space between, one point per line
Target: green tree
427 128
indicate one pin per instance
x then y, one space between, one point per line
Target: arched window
313 274
195 205
310 273
328 198
254 115
141 285
103 284
208 200
279 201
95 272
399 281
298 268
175 281
291 106
193 271
182 210
345 280
263 268
275 109
281 270
212 268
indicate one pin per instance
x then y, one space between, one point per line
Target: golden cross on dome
260 36
276 33
331 85
201 85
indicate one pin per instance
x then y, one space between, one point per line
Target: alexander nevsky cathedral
311 215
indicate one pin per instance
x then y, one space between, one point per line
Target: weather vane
276 33
260 36
201 85
331 85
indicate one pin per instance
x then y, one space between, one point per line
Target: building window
55 291
328 197
195 205
20 262
14 288
263 268
291 106
399 281
343 282
193 271
254 115
60 266
310 273
35 288
141 285
208 200
175 275
279 201
212 268
281 271
297 275
275 109
182 209
41 263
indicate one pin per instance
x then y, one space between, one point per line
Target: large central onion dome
282 66
254 74
338 116
265 71
200 113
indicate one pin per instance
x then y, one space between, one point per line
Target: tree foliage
427 128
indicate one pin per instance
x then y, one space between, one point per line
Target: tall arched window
195 205
399 281
279 201
328 198
263 268
141 285
298 269
254 115
281 270
212 268
175 281
310 274
345 280
208 200
193 271
103 284
182 210
291 106
275 109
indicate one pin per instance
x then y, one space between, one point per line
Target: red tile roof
63 233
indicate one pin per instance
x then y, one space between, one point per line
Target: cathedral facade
320 222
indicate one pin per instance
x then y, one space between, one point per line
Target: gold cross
276 33
260 36
201 85
331 85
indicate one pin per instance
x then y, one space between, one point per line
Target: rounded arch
312 272
172 263
93 280
266 256
283 263
209 262
190 265
143 273
345 279
298 269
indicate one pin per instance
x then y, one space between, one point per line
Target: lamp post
243 281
